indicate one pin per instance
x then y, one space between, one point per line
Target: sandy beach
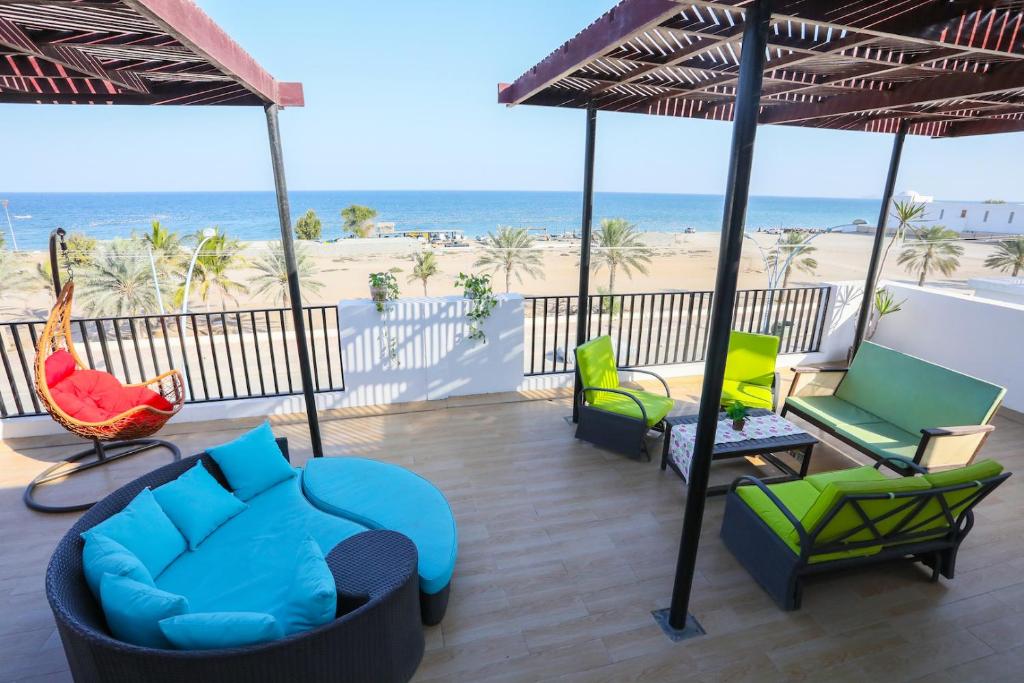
678 262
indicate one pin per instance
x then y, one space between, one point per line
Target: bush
308 227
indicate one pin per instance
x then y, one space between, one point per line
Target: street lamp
776 268
208 234
14 239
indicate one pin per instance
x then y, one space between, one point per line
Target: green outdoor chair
610 415
783 532
750 375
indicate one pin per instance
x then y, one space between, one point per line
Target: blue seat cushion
248 564
383 496
145 531
216 630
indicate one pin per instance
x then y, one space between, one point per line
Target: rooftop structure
950 69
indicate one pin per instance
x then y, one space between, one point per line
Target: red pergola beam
195 29
592 42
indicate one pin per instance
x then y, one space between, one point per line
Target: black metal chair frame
779 570
616 432
377 636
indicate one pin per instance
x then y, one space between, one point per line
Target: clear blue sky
392 103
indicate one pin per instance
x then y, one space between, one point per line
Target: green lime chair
611 415
784 532
750 375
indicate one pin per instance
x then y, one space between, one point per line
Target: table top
751 445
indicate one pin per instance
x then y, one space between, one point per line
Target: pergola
148 52
937 68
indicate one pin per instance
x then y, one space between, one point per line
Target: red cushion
59 365
94 396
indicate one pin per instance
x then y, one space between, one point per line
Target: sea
253 215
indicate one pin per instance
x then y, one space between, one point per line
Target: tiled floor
565 550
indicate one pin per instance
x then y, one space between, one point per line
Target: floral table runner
681 441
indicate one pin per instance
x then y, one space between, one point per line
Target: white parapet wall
420 350
975 336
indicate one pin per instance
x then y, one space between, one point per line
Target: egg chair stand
121 418
102 454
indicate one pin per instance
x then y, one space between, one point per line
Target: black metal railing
664 328
223 355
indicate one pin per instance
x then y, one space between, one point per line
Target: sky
401 95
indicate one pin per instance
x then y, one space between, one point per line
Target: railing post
583 303
294 292
748 99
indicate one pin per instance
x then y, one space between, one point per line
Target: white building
970 218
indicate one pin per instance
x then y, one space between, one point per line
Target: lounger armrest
957 431
754 481
950 446
583 396
896 462
652 374
808 369
808 381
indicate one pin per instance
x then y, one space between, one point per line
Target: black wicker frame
780 571
616 432
376 637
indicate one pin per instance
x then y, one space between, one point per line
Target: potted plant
478 289
737 412
383 288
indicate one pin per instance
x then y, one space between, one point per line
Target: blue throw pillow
197 504
313 596
145 531
252 463
102 555
134 610
216 630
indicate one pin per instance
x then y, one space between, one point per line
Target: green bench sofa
783 532
894 407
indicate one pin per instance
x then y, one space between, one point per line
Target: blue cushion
197 504
313 598
252 463
216 630
134 610
105 556
144 530
248 564
384 496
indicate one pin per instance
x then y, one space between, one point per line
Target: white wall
975 336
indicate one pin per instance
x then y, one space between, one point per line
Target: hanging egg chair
118 418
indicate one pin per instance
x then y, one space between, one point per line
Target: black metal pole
294 293
56 236
583 305
744 129
871 281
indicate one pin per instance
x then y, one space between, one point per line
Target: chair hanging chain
65 256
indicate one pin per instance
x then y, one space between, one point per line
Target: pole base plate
692 629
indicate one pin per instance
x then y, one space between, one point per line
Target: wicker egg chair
118 435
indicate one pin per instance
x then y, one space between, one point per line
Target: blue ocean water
253 215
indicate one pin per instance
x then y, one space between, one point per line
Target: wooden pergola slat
127 52
843 65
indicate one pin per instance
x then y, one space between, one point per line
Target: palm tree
908 215
165 243
213 270
273 273
425 266
358 220
511 251
617 245
934 251
116 282
1008 255
793 244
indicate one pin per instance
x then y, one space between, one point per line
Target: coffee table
788 438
